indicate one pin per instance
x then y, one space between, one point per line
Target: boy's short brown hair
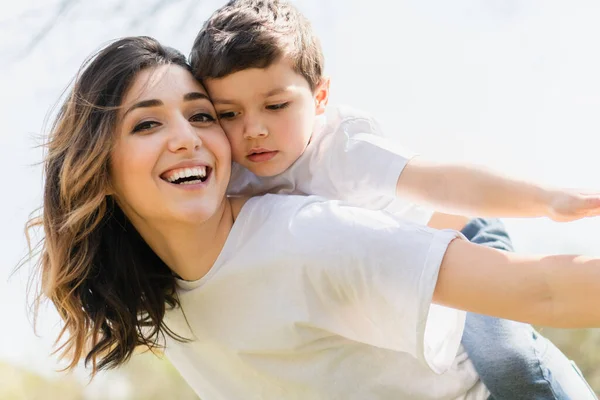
254 34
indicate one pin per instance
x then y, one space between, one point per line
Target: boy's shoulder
344 113
349 121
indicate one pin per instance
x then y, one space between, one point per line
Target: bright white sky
512 84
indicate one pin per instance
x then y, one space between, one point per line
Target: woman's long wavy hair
110 289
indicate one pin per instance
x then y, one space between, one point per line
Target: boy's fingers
594 205
591 204
593 200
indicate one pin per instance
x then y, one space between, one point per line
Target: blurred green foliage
581 346
145 377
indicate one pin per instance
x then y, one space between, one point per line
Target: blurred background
510 84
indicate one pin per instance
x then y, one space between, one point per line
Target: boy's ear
322 95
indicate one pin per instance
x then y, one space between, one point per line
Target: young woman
270 297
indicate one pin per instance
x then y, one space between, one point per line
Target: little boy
263 68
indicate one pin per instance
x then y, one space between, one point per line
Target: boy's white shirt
349 159
314 299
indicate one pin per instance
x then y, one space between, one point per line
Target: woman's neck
190 250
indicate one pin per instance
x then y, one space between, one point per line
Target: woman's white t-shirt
315 299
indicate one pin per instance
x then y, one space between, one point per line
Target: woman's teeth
187 176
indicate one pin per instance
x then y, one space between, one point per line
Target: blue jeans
513 360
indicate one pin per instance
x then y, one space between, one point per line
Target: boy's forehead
277 78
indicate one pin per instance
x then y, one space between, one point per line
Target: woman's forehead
160 82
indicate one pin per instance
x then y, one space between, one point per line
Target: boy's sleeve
373 278
359 162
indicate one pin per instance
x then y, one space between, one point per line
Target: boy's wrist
548 199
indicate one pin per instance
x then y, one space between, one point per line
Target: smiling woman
270 297
105 144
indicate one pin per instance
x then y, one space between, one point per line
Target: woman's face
171 161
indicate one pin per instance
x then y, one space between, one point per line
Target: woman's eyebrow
143 104
155 103
195 96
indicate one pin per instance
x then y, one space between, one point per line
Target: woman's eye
227 115
202 117
279 106
144 126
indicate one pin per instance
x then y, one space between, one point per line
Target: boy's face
268 115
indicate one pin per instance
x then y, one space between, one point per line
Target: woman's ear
322 95
108 189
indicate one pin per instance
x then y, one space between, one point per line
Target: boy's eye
145 126
228 115
202 117
278 106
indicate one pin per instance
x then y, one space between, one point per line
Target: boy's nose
255 129
256 134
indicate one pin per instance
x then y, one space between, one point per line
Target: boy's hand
572 205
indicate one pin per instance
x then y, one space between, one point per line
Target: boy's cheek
230 138
237 153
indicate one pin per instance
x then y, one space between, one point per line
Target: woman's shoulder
313 213
237 203
270 204
280 210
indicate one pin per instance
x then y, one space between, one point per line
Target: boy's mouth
261 155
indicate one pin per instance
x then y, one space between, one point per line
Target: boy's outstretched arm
468 190
557 291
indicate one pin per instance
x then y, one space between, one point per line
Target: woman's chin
197 211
